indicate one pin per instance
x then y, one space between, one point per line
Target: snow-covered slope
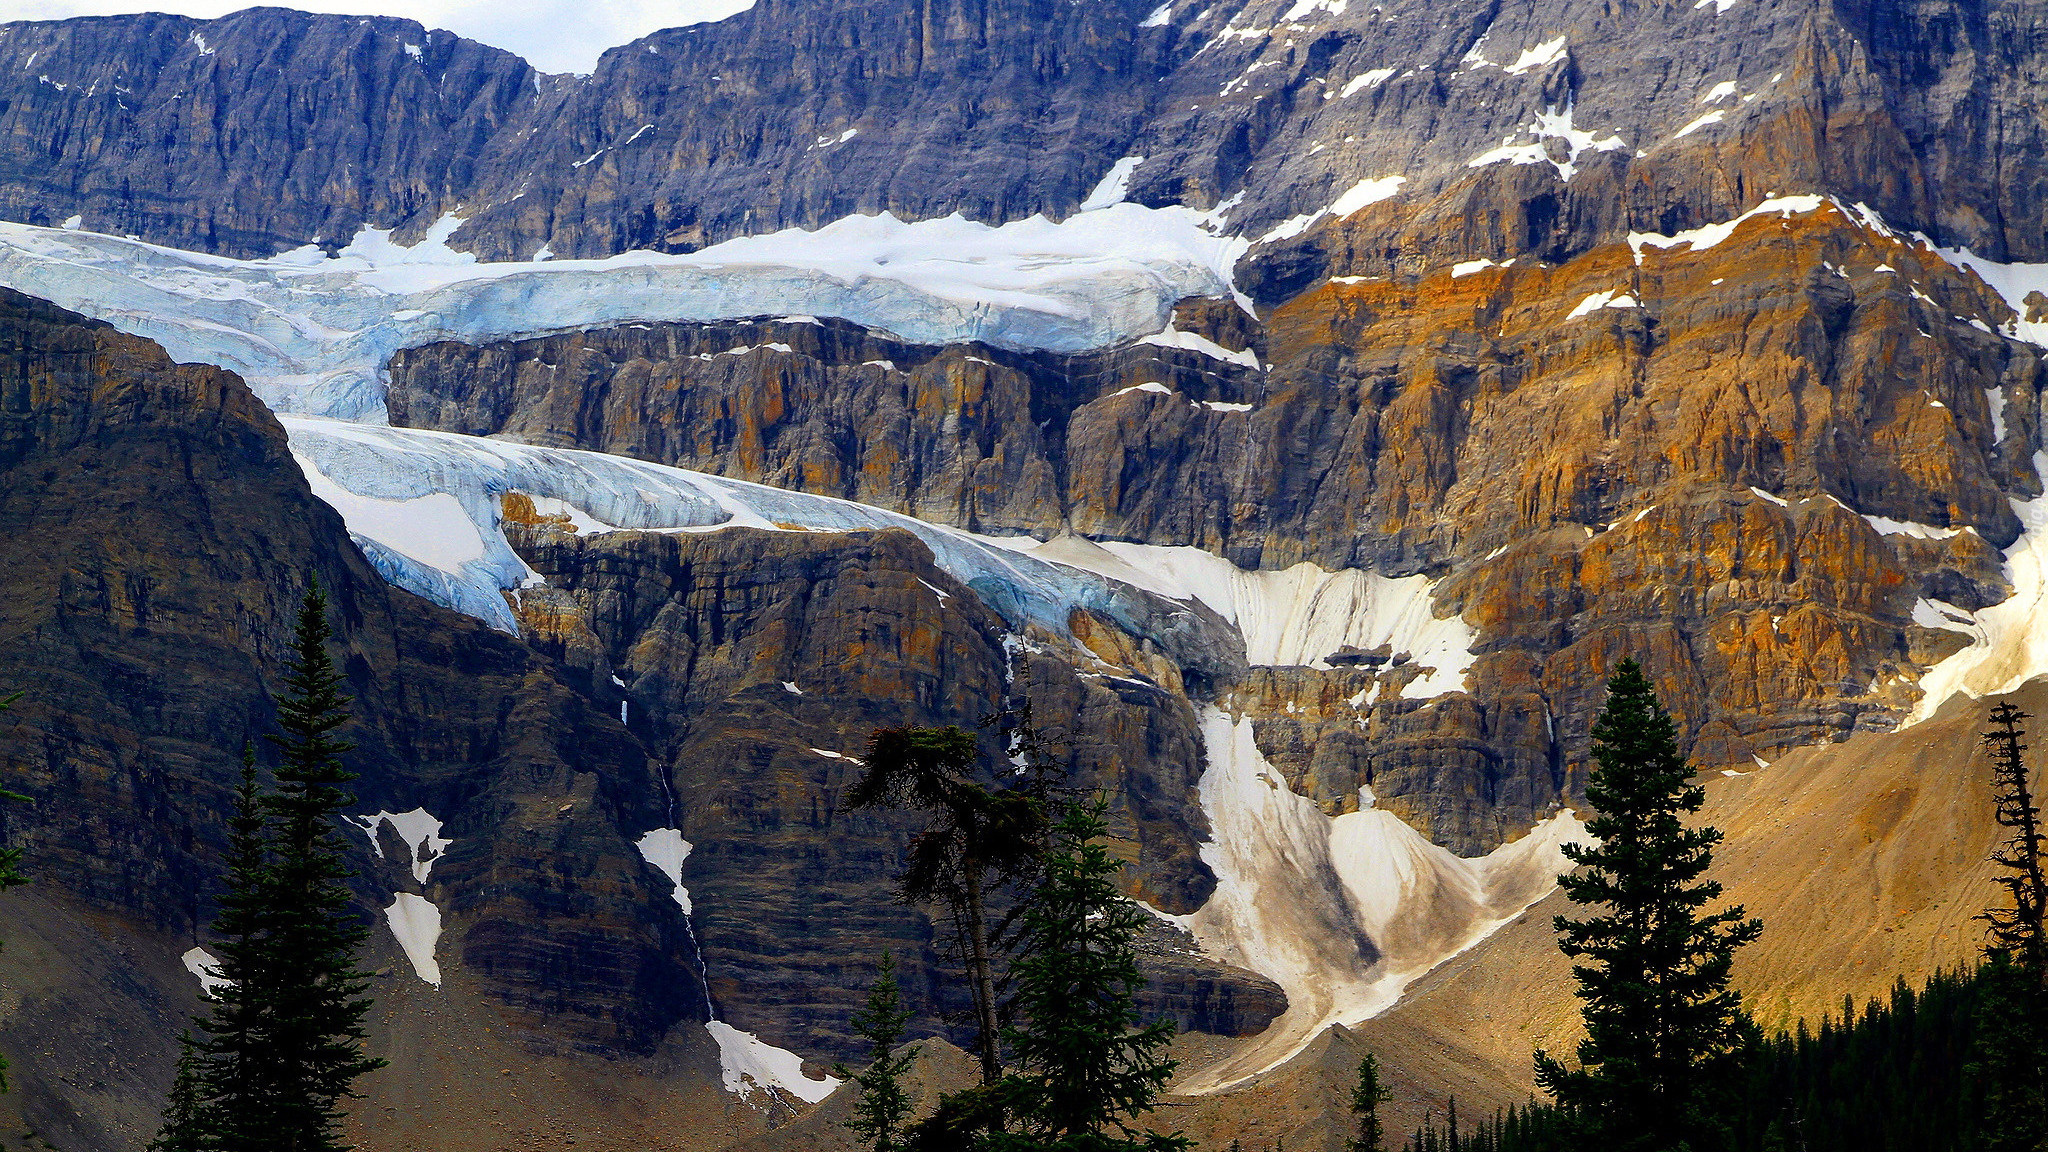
1299 616
1342 912
311 334
2009 640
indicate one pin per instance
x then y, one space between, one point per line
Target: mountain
1301 403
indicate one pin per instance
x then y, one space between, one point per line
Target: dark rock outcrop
238 136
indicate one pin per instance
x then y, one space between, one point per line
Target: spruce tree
1366 1097
1662 1025
2010 1050
315 1031
878 1118
187 1123
221 1098
1088 1069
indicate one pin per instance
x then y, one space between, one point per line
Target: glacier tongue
365 470
311 334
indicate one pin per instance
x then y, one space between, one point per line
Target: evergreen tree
279 1046
1662 1025
1366 1097
977 839
10 864
223 1067
2011 1056
315 1029
187 1126
878 1119
1088 1069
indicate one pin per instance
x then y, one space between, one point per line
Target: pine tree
878 1119
1662 1025
315 1031
2011 1052
1088 1068
1366 1097
977 839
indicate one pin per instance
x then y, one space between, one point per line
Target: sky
553 35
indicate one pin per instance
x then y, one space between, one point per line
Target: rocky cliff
1515 339
176 534
1552 126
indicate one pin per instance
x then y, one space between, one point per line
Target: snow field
2009 640
1299 616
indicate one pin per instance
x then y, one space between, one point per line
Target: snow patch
205 966
1158 17
1359 195
666 849
1549 125
1708 235
1471 267
2009 639
1889 527
1714 117
1364 80
416 923
2013 282
1725 90
751 1066
418 830
1298 616
1548 52
1114 185
1189 341
1599 300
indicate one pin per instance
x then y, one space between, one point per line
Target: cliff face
1754 462
1567 331
175 535
250 134
1560 125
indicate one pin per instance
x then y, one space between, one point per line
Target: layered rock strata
1539 130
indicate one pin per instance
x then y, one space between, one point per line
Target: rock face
1753 463
177 536
252 134
755 664
1553 127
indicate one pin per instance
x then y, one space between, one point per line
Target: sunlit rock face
1303 405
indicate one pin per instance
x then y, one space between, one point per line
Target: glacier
372 473
312 333
425 508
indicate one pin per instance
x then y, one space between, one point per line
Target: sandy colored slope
1865 860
